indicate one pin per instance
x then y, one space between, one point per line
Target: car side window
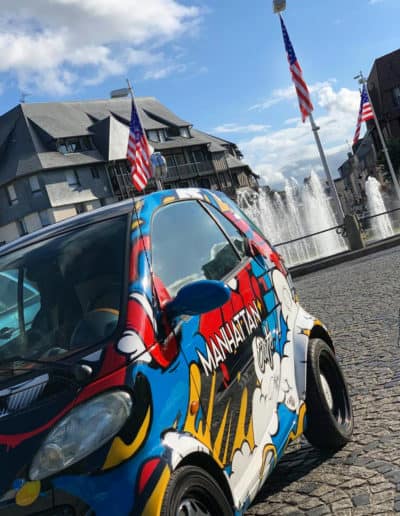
9 290
187 245
234 234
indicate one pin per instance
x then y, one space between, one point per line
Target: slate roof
28 133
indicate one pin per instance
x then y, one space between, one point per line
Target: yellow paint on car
28 493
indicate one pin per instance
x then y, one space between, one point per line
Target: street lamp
279 5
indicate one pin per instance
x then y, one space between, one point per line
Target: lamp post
159 166
363 81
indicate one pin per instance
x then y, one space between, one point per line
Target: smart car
166 368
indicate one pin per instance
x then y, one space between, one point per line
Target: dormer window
34 184
75 144
11 195
72 178
156 135
184 132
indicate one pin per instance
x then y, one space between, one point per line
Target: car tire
192 491
329 423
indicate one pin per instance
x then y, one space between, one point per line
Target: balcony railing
189 169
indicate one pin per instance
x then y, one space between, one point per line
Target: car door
230 351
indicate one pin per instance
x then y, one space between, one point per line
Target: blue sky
219 64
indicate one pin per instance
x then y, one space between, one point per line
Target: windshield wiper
80 372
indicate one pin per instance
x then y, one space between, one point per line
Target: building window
170 160
184 132
34 184
86 143
80 207
11 195
95 172
72 178
44 218
156 136
396 96
22 230
173 131
77 144
199 155
205 182
180 158
153 136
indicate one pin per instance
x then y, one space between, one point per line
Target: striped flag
303 94
364 114
138 153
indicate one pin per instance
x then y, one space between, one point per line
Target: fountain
381 226
299 212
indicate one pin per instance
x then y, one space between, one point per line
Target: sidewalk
330 261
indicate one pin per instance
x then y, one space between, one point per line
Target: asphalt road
359 302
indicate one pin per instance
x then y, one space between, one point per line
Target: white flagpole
279 6
331 184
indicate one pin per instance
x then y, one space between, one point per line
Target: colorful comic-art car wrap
106 402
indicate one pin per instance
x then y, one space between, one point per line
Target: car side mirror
198 298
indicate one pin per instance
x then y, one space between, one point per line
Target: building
62 158
384 91
366 159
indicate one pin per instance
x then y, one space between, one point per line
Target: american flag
303 94
364 114
138 153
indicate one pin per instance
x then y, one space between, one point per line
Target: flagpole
158 181
363 81
331 184
305 104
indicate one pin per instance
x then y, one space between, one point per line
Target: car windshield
63 293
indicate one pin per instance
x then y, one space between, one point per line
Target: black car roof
106 212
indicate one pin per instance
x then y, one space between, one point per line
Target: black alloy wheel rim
191 506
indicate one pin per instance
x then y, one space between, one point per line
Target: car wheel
193 492
329 411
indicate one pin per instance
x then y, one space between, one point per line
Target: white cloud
161 72
285 94
236 128
292 151
49 44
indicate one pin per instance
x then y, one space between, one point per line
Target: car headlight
81 432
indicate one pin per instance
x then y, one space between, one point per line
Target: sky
219 64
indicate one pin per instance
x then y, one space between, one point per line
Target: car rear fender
307 327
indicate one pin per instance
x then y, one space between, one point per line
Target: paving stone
319 511
384 496
361 499
354 482
339 507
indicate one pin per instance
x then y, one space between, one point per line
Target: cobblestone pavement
359 302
